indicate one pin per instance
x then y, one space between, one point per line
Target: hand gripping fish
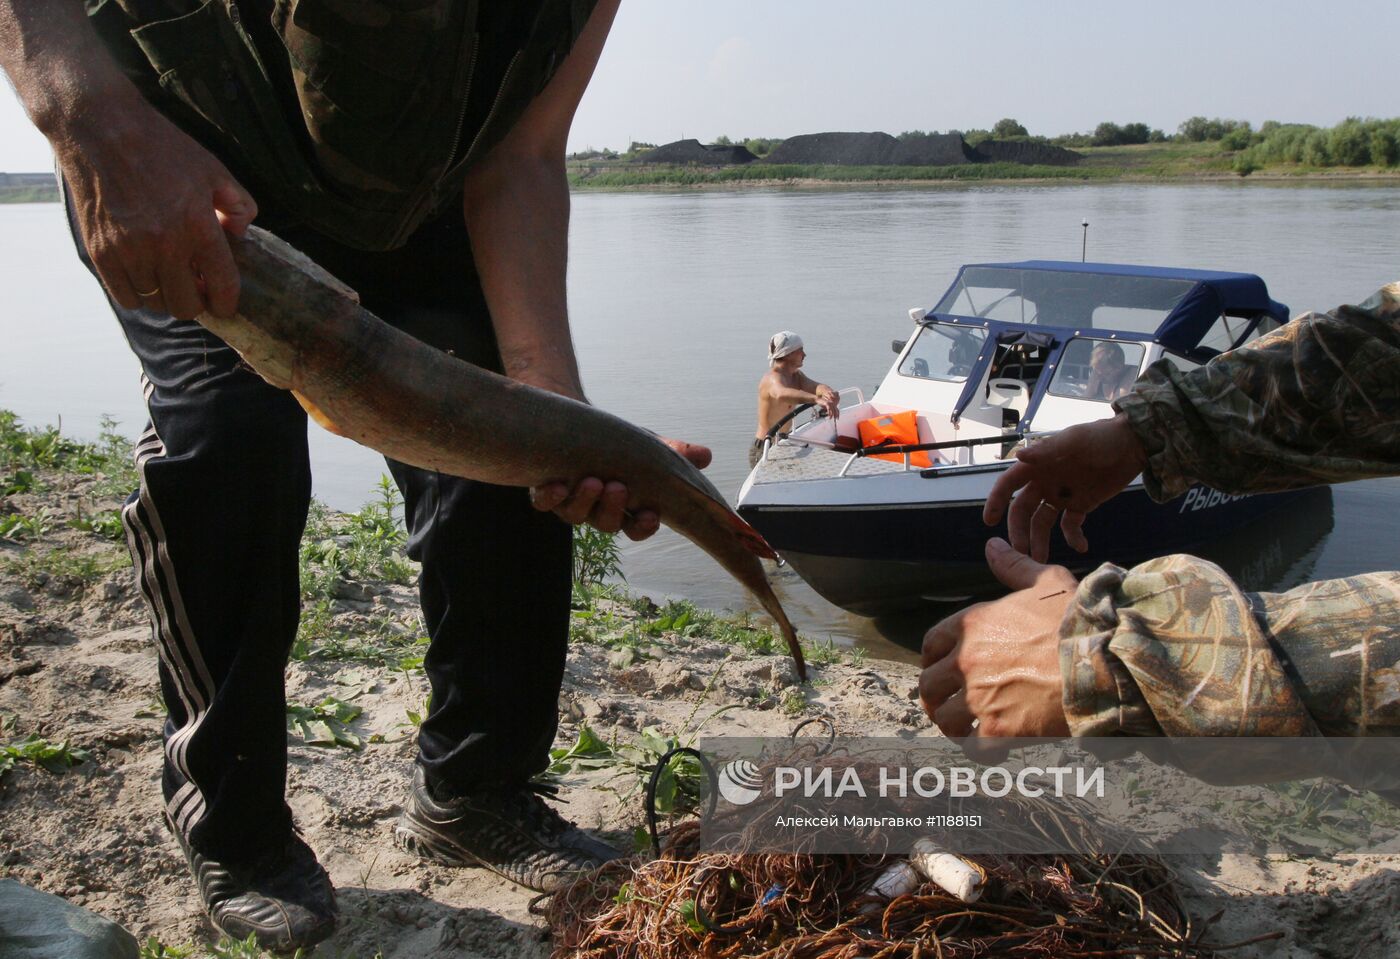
305 331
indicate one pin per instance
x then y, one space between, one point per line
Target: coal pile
1019 151
730 154
695 152
846 149
867 149
933 149
874 149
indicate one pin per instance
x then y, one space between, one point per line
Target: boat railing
853 455
773 433
886 449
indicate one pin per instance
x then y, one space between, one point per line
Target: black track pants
214 532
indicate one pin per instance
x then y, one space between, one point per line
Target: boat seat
1009 394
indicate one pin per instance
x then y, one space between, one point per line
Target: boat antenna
1084 247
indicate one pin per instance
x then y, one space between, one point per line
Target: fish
302 329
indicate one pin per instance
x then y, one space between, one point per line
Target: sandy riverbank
77 664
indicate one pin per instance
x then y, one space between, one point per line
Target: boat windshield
1133 304
943 352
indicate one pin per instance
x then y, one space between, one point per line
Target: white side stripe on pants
175 639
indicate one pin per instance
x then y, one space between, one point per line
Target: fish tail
790 634
763 591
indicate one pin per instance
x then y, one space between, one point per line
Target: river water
674 295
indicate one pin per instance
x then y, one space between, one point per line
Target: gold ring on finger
147 295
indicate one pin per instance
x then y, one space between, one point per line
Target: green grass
29 194
153 948
27 451
1165 160
24 449
367 545
595 623
225 948
35 568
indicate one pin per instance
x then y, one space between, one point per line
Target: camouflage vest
356 117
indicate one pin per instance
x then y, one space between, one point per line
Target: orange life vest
894 429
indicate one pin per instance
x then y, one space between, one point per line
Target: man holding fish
416 152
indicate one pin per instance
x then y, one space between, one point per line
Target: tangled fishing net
692 901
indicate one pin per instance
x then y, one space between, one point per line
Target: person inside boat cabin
785 386
1109 374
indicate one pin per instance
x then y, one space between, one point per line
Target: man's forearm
1315 402
517 213
60 70
1174 647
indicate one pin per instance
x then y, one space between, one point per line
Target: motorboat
880 507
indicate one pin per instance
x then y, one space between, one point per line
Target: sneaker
284 899
512 832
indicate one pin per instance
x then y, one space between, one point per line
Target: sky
777 68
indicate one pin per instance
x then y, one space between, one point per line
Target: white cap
782 344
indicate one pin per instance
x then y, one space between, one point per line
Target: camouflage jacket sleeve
1316 401
1174 647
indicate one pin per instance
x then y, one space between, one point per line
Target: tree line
1354 142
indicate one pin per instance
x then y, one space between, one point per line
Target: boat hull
874 559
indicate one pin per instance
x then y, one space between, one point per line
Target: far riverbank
593 176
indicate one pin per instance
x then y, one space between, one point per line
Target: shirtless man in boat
785 386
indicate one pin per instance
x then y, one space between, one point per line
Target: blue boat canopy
1174 307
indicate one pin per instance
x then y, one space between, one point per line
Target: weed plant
597 557
107 524
37 751
16 527
327 723
21 481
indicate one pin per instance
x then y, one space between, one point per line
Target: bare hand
830 401
153 207
604 504
1073 471
997 665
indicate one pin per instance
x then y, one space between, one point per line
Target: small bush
597 557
